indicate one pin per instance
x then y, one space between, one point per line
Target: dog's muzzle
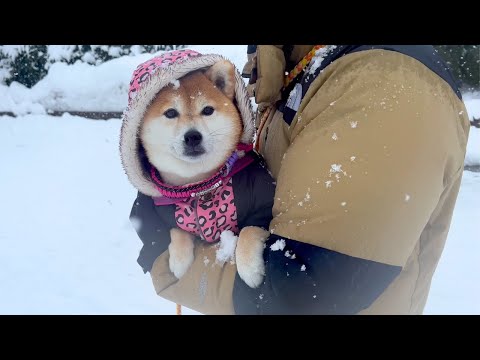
193 143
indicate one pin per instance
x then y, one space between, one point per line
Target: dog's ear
222 74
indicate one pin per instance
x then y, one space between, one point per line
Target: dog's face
193 126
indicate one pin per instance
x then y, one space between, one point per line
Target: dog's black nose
192 138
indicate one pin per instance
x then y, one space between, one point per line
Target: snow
317 59
226 248
12 50
67 244
472 157
472 103
335 168
115 51
278 245
59 52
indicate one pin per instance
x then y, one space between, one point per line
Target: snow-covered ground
67 246
472 103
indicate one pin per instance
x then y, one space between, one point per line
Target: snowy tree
28 64
464 61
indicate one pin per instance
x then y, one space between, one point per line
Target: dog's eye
207 110
171 113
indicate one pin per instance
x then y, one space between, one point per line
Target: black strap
426 54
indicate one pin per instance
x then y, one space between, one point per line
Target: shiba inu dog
200 160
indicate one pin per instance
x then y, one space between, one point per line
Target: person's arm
307 279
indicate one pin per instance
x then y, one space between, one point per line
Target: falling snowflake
343 203
328 183
303 268
136 223
335 137
352 158
407 197
353 124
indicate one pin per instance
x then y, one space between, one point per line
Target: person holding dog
366 144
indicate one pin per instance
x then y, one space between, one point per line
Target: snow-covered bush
28 64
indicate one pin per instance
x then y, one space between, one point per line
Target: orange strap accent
301 65
288 79
179 309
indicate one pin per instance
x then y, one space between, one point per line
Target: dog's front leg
249 255
181 252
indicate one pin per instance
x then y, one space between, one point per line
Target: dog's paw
249 255
181 252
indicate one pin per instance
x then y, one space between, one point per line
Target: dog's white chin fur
177 171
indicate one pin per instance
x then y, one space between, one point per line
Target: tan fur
249 255
181 251
162 137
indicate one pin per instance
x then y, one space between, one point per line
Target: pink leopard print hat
147 80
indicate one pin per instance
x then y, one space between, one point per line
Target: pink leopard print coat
245 200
